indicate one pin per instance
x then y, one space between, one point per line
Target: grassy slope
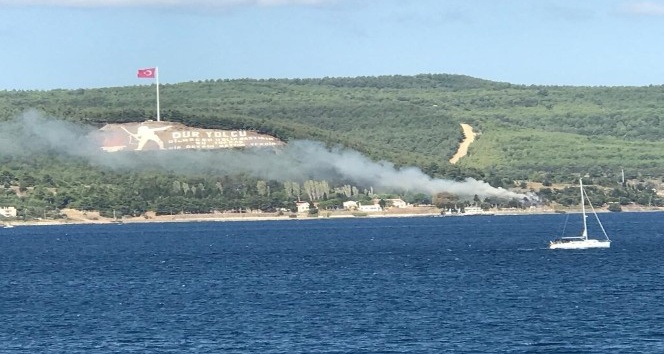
548 151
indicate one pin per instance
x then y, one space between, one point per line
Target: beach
72 216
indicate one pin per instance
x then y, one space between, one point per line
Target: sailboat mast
583 211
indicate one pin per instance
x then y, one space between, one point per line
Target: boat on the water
475 210
467 211
583 241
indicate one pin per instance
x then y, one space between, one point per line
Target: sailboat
582 242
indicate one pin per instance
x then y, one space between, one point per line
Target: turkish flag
147 73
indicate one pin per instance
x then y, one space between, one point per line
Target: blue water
483 284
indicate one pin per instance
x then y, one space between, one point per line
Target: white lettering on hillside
217 139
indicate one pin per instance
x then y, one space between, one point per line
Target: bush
615 207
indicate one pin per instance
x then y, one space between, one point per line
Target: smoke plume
300 160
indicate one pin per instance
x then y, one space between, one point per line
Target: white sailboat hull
579 244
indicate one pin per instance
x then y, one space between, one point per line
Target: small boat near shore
582 241
467 211
475 210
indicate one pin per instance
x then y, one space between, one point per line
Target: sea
471 284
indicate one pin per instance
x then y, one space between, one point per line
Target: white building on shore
8 212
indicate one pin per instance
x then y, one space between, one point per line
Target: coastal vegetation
527 135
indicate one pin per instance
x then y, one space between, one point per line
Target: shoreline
82 218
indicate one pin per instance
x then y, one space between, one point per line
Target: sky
70 44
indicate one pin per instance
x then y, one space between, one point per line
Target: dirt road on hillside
469 137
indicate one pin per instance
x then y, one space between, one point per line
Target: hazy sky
47 44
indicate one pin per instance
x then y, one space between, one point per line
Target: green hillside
407 120
526 133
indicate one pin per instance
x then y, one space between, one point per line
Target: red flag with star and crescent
146 73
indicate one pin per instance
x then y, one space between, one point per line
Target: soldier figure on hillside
144 134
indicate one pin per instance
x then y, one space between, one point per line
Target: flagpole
156 69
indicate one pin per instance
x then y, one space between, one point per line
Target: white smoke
298 161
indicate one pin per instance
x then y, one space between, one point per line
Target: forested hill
410 120
536 133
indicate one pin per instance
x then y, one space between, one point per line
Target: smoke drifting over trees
300 160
